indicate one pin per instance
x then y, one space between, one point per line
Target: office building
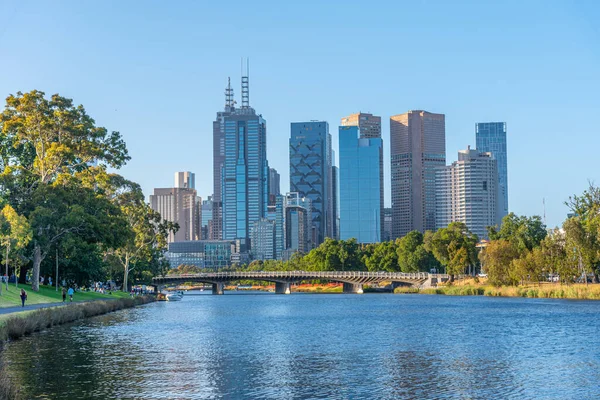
298 223
387 224
178 205
241 177
206 218
418 150
369 127
262 242
360 191
185 180
335 178
201 253
310 173
274 185
467 191
491 137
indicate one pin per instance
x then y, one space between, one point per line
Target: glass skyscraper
491 137
244 172
360 186
310 173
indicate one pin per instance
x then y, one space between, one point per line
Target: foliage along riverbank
578 292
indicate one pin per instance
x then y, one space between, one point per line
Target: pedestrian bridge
353 281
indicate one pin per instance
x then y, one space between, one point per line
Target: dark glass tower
310 173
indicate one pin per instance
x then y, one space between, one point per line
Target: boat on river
174 296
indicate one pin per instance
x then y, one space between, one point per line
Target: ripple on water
320 346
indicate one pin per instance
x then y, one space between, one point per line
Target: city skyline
496 67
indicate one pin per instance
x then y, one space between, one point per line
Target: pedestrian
64 294
23 297
70 293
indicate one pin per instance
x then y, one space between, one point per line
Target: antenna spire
228 95
246 84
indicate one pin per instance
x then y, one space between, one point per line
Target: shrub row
583 292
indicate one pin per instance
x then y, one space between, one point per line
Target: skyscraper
185 180
335 178
310 172
263 239
274 187
178 205
219 162
298 223
418 150
369 127
207 207
467 191
491 137
360 191
241 193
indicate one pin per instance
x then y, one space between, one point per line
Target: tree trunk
126 275
451 277
37 261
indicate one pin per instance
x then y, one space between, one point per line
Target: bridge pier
217 288
353 288
283 288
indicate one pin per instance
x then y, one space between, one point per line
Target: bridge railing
304 275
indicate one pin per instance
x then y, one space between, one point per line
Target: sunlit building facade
360 191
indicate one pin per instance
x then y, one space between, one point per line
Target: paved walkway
9 310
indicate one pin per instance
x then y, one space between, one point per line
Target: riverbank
48 294
16 325
551 291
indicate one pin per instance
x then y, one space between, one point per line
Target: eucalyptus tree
15 234
43 139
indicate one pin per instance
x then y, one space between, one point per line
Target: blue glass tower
491 137
245 171
310 173
360 186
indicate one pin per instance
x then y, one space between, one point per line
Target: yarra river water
372 346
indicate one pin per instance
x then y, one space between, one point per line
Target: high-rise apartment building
310 173
178 205
491 137
360 191
418 150
185 180
242 172
467 191
369 127
387 224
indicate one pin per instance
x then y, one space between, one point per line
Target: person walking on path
23 297
70 293
64 294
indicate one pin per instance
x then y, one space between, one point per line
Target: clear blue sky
156 72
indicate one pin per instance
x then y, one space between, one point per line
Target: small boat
174 297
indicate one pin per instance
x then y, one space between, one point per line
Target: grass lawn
48 294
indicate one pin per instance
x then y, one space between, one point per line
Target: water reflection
311 346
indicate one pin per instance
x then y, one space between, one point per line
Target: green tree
15 234
381 257
524 232
43 139
582 232
453 247
412 254
496 261
145 240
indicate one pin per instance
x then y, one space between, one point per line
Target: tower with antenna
229 102
246 84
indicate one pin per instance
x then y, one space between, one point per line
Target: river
336 346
